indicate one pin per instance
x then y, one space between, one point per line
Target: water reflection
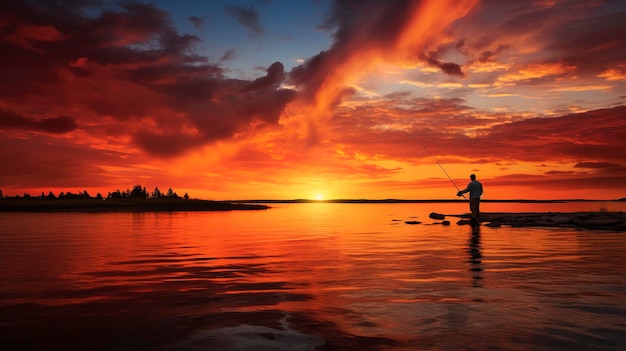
475 256
302 275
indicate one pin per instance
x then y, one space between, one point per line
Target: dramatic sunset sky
281 99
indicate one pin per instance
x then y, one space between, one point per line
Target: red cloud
589 135
132 66
442 125
56 125
46 161
596 165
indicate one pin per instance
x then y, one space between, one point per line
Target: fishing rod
434 159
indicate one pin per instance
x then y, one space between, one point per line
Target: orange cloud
613 75
540 70
368 34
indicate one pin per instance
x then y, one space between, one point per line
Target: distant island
135 200
122 205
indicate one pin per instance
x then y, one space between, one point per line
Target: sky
314 99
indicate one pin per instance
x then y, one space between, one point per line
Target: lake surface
307 277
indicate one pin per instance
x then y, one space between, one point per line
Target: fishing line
434 159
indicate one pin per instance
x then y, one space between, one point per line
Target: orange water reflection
348 273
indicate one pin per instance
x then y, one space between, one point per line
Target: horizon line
393 200
350 200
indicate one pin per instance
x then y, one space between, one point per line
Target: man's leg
477 209
474 207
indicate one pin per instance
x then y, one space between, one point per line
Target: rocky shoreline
615 221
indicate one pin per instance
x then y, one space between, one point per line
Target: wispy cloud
248 17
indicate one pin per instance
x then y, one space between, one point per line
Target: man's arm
466 189
461 192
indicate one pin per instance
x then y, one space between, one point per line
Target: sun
318 197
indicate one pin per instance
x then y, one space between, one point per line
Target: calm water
308 277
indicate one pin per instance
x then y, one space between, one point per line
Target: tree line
137 192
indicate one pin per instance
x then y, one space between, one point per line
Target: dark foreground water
307 277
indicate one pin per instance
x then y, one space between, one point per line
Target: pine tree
156 193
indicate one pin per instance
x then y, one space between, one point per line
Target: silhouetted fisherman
475 189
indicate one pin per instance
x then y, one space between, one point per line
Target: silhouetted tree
51 195
156 193
61 195
138 192
26 195
186 196
1 195
85 194
115 195
172 194
99 196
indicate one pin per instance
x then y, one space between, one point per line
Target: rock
523 221
412 222
603 222
434 215
542 223
442 223
493 225
561 219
